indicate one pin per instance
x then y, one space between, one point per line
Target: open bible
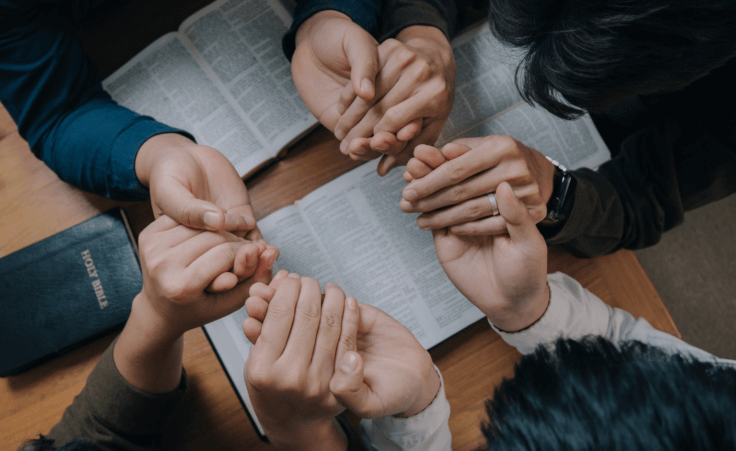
222 77
352 232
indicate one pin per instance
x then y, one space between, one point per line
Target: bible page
168 82
381 257
488 103
241 41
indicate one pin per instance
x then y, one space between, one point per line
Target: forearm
53 92
662 171
147 355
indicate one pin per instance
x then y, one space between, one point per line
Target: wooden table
35 204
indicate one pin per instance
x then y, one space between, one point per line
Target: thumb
362 53
178 203
519 223
347 383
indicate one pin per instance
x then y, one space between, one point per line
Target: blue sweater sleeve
52 90
365 13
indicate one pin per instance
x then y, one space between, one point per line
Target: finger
219 259
417 169
240 218
279 319
349 333
409 130
387 143
279 275
177 202
494 225
469 210
329 329
223 282
161 224
360 149
407 175
252 329
362 55
428 135
347 95
347 384
246 261
306 322
199 242
256 307
452 150
429 155
451 173
389 75
264 270
519 222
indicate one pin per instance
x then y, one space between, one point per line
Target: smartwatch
563 194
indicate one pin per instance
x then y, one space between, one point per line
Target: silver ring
494 204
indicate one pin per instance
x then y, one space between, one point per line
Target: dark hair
46 444
590 54
593 395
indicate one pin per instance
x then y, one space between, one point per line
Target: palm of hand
491 271
394 363
207 175
322 71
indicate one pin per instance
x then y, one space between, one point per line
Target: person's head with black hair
590 54
594 395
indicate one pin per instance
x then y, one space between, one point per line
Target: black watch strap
563 193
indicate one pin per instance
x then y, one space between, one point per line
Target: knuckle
258 376
310 311
459 193
331 321
456 173
422 70
347 341
405 57
475 211
392 117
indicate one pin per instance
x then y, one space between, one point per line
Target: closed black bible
66 290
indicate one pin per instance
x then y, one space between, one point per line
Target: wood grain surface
35 204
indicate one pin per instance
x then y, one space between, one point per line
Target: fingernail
339 134
330 285
294 275
344 146
349 363
351 303
366 86
212 219
457 230
383 146
422 224
410 195
405 205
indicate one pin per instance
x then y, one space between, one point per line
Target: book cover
66 290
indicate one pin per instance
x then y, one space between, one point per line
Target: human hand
192 277
332 52
503 275
195 185
291 363
415 93
381 369
450 187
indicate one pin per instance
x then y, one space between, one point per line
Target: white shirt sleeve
575 312
427 430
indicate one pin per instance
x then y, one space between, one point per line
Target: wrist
315 22
151 323
522 316
429 392
156 149
324 434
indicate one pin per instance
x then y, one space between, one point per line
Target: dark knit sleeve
116 415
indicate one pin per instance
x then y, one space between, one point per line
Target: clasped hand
378 100
313 358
